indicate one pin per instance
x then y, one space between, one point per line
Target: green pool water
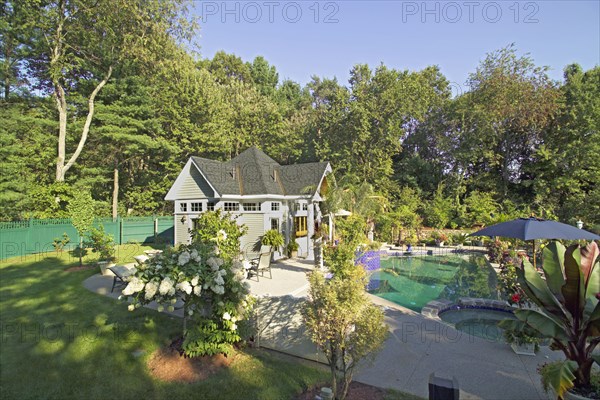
412 282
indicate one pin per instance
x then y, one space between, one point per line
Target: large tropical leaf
589 258
560 376
574 288
553 266
546 325
537 287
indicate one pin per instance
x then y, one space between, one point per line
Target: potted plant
522 340
292 249
103 244
568 311
440 238
272 238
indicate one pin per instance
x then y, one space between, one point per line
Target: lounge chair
261 264
121 272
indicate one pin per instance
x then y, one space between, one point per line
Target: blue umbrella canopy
535 228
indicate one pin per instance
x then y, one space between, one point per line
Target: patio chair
121 272
261 264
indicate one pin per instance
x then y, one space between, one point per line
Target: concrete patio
416 347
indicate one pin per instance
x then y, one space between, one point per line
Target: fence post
155 228
120 225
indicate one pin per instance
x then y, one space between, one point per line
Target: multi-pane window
275 224
231 206
275 206
183 207
300 226
250 206
210 206
304 206
196 207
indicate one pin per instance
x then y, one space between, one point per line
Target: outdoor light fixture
183 219
580 224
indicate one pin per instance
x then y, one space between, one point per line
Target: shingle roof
252 172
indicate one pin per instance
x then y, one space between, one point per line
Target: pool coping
435 308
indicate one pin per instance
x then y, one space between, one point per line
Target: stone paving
416 347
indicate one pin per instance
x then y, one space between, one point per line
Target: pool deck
416 347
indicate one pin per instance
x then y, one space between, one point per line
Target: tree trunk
115 196
61 167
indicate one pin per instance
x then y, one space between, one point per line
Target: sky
326 38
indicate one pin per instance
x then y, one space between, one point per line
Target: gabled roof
252 172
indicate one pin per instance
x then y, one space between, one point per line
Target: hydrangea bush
204 281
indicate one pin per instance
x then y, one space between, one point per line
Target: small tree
81 210
343 323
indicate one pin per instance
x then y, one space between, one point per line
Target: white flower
151 288
184 258
170 308
223 272
185 286
195 256
233 327
160 308
218 289
237 265
221 235
226 316
190 312
195 280
166 286
221 304
219 280
135 285
197 290
131 307
214 263
173 301
205 286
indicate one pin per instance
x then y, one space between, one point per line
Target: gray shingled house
262 194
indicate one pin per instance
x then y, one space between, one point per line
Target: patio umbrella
535 228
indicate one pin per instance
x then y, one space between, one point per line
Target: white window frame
227 204
196 206
211 206
183 206
252 207
275 206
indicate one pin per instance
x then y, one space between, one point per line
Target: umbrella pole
534 255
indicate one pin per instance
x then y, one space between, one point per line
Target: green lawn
60 341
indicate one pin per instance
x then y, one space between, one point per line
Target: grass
59 340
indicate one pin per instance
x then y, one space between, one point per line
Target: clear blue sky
301 41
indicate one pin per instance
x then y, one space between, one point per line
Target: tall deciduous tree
81 42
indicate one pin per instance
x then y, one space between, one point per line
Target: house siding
181 230
256 228
195 186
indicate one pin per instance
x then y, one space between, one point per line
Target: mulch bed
169 364
356 391
80 268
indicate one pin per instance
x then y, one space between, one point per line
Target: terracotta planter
527 349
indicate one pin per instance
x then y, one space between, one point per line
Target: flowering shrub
210 288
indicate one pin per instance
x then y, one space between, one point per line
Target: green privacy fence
20 238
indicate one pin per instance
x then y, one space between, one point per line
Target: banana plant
569 309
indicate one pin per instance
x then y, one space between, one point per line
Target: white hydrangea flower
173 301
151 288
166 286
135 285
233 327
223 272
185 286
161 308
170 308
195 280
190 312
184 258
131 307
237 265
197 290
218 289
234 319
219 280
226 316
195 256
214 263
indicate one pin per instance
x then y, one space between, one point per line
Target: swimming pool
412 282
478 322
